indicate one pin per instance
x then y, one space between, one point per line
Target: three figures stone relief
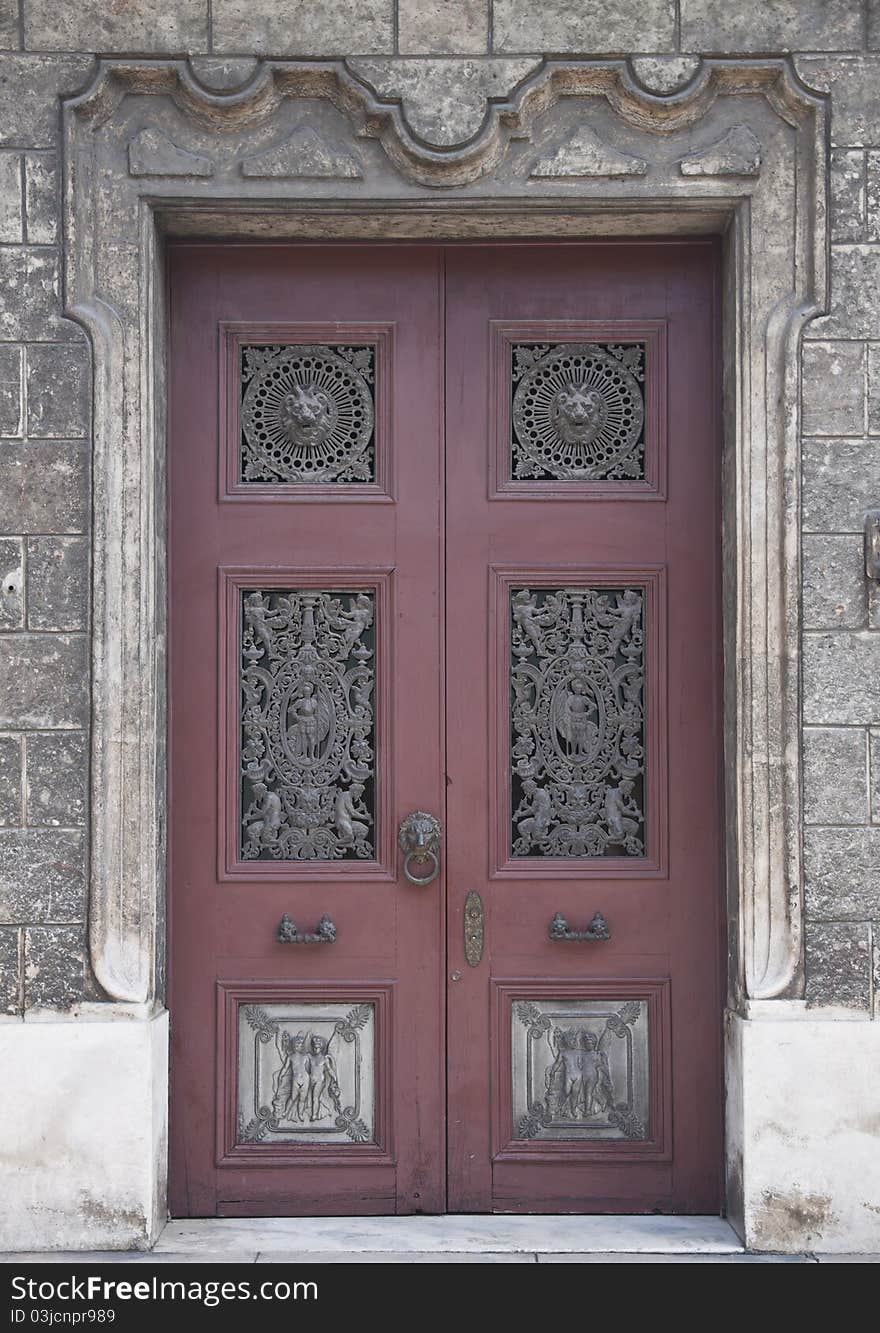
307 758
577 721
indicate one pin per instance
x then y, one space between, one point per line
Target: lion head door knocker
419 839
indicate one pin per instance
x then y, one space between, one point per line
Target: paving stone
10 780
838 964
30 86
43 681
568 25
770 25
11 373
135 25
42 875
841 479
45 487
42 205
874 756
854 82
842 873
53 967
835 775
855 281
11 202
57 582
455 27
841 677
263 27
57 778
833 392
834 594
848 195
10 970
11 583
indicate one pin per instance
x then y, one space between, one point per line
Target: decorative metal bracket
419 839
872 544
324 932
598 929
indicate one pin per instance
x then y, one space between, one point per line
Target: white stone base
83 1134
803 1120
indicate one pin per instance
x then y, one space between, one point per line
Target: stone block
11 200
841 677
835 775
57 582
770 25
30 112
838 964
874 25
45 487
142 26
11 583
11 391
834 595
855 281
43 681
10 37
10 781
874 389
42 204
58 391
833 395
30 297
10 970
57 778
848 195
53 967
841 479
42 875
620 26
854 82
311 28
874 758
872 195
450 28
842 873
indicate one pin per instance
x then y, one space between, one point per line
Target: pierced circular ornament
578 414
307 416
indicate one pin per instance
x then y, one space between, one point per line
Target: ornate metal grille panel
577 411
306 1073
577 721
307 724
580 1069
307 413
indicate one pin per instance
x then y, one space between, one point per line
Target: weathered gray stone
57 582
58 391
303 155
152 153
606 25
57 778
841 480
664 74
737 153
838 959
454 28
444 101
30 302
833 388
134 25
834 594
585 154
29 90
873 25
11 210
855 281
842 677
10 37
43 681
874 388
10 781
854 82
45 487
11 390
872 196
263 27
842 873
848 195
41 198
42 875
10 970
874 755
835 775
770 25
53 967
11 583
223 73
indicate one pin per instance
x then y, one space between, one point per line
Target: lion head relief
578 413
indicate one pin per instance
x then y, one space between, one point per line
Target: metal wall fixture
324 932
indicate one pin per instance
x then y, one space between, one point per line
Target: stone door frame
577 149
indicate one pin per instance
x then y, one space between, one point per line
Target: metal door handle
324 932
419 839
598 929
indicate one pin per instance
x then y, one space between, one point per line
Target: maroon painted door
548 690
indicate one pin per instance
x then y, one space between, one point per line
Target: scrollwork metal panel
580 1069
307 724
306 1073
577 687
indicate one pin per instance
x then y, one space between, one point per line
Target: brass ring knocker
421 879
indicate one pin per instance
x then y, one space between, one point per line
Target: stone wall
466 50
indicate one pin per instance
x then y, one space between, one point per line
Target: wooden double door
445 738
